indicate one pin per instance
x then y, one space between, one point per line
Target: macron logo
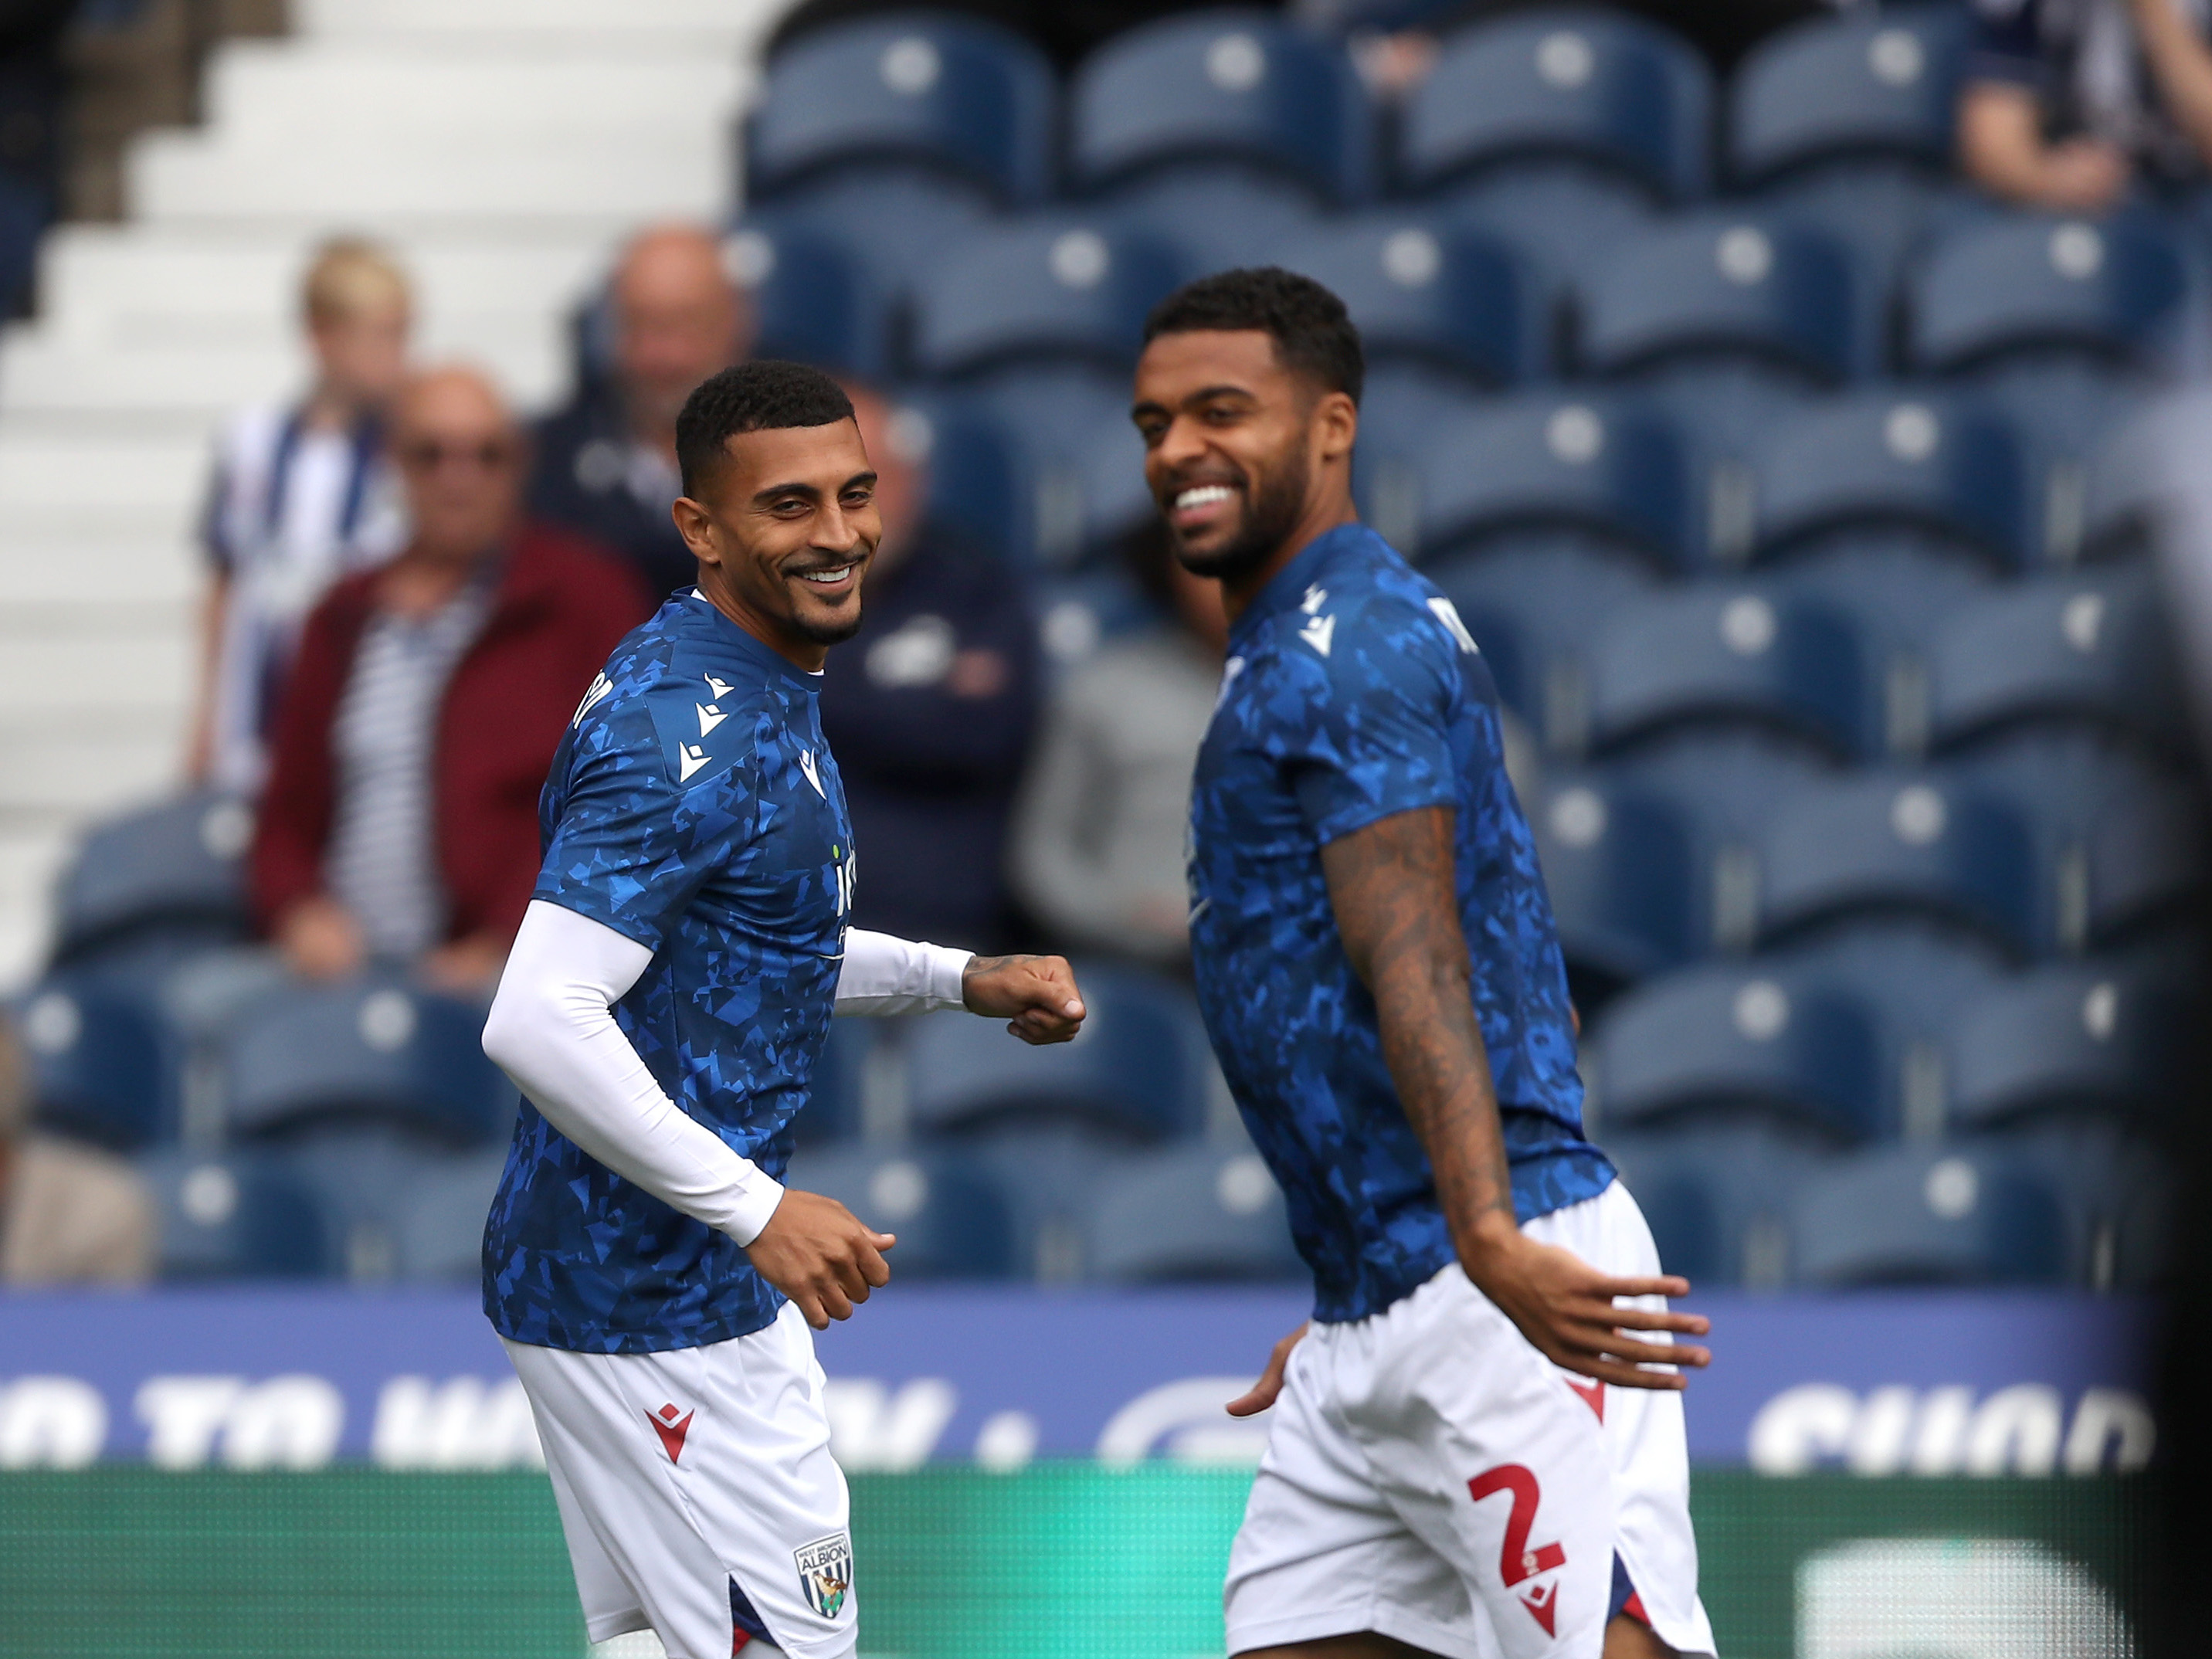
719 688
1319 633
710 717
690 757
671 1428
813 774
602 688
1448 614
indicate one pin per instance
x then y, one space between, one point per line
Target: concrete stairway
502 146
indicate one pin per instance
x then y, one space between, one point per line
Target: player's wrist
1487 1241
755 1207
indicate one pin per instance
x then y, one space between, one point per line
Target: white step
730 20
93 477
48 569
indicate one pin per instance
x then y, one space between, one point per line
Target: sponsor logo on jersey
825 1572
672 1427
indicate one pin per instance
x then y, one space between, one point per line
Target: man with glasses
399 824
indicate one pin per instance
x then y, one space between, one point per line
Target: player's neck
801 652
1332 510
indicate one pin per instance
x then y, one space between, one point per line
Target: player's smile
1195 507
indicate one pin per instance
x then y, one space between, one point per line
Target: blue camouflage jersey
692 807
1352 692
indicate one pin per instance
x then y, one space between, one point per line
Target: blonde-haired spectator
301 496
70 1214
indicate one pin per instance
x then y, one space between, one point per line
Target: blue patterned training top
692 807
1353 692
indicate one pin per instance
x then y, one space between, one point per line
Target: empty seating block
815 300
1048 290
1198 1212
956 94
1218 219
1875 83
1717 1199
170 870
233 1215
1955 1214
103 1066
2087 1038
950 1217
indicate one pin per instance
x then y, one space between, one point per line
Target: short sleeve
1375 738
630 846
2007 46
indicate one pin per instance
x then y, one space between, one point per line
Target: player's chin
827 623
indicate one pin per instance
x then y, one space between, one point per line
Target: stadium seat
910 220
1899 590
2094 647
1731 652
1048 1171
231 1215
1717 1198
1051 289
1191 1212
957 95
1871 83
371 1048
1931 843
815 300
2119 1194
169 871
2119 843
1942 465
1961 1214
1532 601
1648 857
946 1208
1430 291
835 1107
1605 465
2092 1038
1402 402
438 1230
1137 1070
1883 211
387 1190
1561 218
1728 284
1219 219
2091 470
1222 86
1585 84
2026 283
103 1066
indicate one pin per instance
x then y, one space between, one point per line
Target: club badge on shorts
825 1572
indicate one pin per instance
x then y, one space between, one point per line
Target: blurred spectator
400 822
301 496
1066 30
929 710
1099 838
2066 101
606 464
32 83
70 1214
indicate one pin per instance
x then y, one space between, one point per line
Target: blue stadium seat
1731 652
1048 290
1219 219
1931 843
1193 1212
2096 1038
438 1228
1872 84
1401 403
2092 471
946 1208
1968 1213
2118 841
1222 86
1883 211
1585 84
233 1215
1531 601
371 1048
1137 1070
957 95
2024 283
2118 1194
2093 648
1717 1198
815 300
1942 465
385 1190
104 1067
1648 857
1606 466
909 220
1763 1041
170 870
1049 1172
1727 284
1561 218
836 1102
1898 589
1426 289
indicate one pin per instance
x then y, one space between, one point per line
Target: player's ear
1336 425
696 526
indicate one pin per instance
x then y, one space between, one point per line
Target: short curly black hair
752 398
1314 334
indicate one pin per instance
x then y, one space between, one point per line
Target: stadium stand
1789 488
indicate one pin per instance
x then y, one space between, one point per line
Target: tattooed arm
1396 901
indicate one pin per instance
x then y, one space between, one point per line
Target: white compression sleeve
551 1031
886 975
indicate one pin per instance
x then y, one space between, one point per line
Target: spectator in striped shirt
399 826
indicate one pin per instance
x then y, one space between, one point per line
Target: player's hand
821 1255
1262 1394
1566 1307
1036 995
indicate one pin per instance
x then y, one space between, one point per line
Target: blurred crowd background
1794 400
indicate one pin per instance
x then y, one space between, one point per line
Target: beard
836 631
1271 513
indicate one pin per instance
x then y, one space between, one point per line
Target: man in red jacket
400 821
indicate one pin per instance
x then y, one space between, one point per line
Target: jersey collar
1287 586
709 619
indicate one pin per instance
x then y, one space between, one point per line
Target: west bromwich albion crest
825 1572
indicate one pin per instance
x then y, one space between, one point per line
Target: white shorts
1431 1476
697 1492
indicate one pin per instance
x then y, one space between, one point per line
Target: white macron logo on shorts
825 1572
